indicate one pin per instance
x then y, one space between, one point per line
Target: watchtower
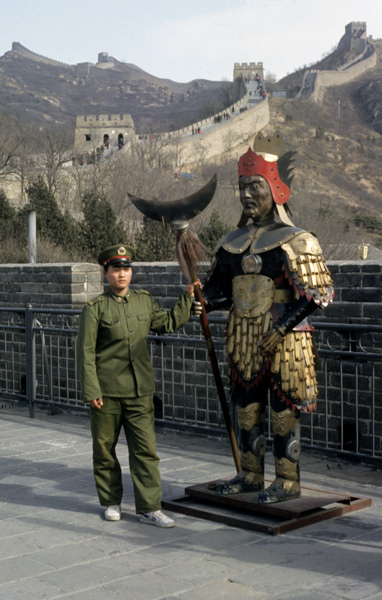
103 130
248 70
354 39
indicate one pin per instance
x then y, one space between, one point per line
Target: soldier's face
255 196
119 279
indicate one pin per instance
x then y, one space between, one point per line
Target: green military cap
119 255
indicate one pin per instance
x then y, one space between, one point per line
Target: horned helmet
269 159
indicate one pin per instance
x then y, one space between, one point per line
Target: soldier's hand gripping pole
187 250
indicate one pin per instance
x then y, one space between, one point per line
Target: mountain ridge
45 91
338 140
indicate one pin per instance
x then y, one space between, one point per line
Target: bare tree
270 80
14 144
226 93
55 148
152 150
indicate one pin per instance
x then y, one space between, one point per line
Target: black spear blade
178 210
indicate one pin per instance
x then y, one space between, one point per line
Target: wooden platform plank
241 510
310 500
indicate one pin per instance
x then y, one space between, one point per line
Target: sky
185 40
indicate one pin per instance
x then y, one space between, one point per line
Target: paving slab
222 590
348 587
56 545
32 590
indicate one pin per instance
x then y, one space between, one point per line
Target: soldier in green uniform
116 378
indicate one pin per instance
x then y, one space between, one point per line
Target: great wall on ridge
248 115
215 135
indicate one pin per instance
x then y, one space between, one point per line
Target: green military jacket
112 353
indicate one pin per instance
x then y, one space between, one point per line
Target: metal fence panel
38 367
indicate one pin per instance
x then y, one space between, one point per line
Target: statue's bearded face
255 196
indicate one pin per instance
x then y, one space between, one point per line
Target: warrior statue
271 276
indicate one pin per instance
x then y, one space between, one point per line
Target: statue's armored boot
252 450
286 446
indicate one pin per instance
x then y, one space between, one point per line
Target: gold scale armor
251 318
259 306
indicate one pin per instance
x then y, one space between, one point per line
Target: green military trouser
136 415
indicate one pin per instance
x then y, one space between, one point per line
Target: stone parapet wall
358 286
230 133
17 47
349 388
162 279
203 122
326 79
358 293
49 285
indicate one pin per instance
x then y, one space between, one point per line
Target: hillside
337 189
364 94
45 92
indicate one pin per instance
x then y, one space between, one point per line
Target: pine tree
51 224
7 217
211 234
156 242
100 227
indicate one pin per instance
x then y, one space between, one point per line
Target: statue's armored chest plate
252 295
257 239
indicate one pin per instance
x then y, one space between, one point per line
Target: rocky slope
41 91
337 189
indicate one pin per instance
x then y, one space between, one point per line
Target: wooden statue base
241 510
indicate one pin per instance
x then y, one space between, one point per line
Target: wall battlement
251 65
354 26
17 47
124 120
247 69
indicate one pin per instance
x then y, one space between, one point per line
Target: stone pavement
55 544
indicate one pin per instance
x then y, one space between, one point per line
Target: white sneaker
113 513
156 518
